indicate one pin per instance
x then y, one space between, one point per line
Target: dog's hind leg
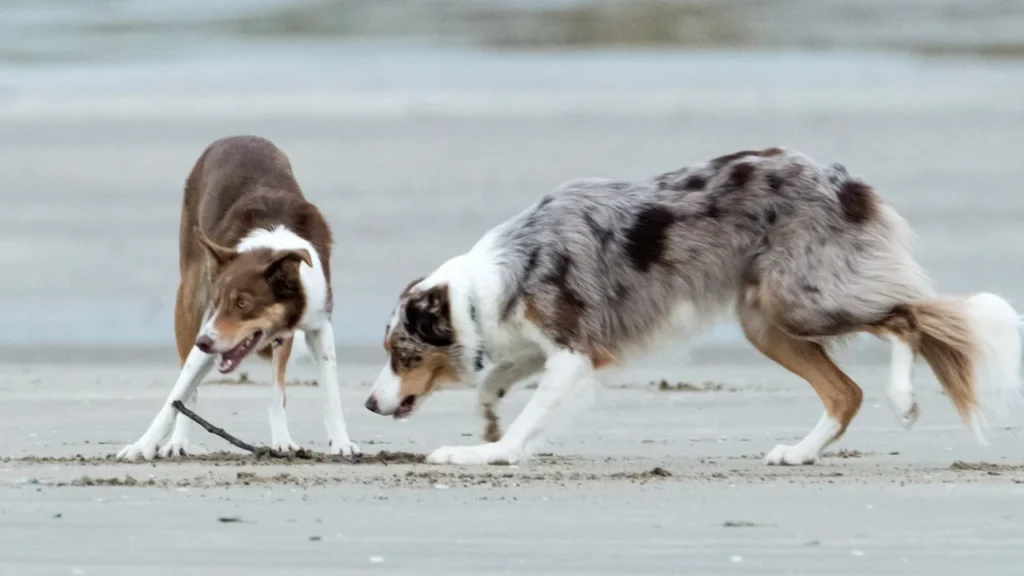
280 437
809 360
900 392
494 387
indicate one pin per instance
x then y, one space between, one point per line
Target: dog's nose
205 344
371 405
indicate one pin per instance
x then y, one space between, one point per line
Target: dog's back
233 174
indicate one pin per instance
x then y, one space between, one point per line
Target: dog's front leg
196 366
321 344
565 372
178 444
494 387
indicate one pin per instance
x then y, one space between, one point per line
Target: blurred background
416 126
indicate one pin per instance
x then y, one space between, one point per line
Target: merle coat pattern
604 263
800 253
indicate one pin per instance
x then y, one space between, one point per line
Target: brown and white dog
255 268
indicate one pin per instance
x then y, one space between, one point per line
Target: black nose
205 344
371 405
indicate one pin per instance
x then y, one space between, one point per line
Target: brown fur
421 378
858 201
939 331
280 359
809 360
492 432
240 184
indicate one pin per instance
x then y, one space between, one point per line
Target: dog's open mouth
232 358
405 408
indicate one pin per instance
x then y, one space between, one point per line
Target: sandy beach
412 151
642 480
87 359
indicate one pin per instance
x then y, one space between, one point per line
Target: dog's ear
283 256
428 316
220 254
284 264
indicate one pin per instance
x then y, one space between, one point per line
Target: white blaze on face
209 330
386 391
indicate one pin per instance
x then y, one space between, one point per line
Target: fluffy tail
973 346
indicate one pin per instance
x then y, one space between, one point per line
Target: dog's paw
904 406
493 453
285 446
173 448
344 447
137 450
783 455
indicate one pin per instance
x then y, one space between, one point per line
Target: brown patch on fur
492 431
646 240
189 307
809 360
563 325
280 358
433 370
721 161
940 332
428 316
532 313
601 358
858 201
236 330
741 174
260 290
694 183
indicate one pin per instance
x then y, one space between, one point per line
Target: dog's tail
973 345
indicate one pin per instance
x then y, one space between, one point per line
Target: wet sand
642 479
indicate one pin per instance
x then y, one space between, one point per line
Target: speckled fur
603 264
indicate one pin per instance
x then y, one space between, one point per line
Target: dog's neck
479 350
466 312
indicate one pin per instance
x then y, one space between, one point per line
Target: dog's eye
242 303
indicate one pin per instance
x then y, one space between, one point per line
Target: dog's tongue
227 364
232 358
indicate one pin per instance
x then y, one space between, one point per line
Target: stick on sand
258 451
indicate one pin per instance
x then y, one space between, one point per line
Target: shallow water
416 129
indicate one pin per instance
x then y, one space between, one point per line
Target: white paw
344 447
284 446
174 448
493 453
134 451
789 456
904 406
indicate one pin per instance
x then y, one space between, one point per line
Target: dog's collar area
480 353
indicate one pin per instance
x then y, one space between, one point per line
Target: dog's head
423 351
257 300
